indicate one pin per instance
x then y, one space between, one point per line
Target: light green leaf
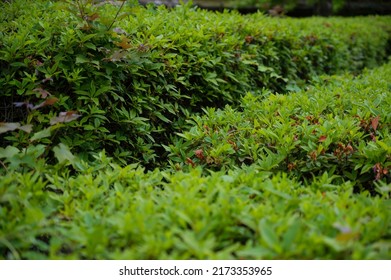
63 154
290 235
41 134
267 234
4 127
8 152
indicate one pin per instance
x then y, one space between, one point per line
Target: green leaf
81 59
41 134
267 234
163 118
63 154
90 46
290 235
8 152
263 69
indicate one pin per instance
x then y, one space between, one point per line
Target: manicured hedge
303 175
124 213
342 126
128 83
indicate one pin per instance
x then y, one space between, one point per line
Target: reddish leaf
249 39
48 102
322 138
47 79
65 117
51 101
199 154
124 43
92 17
291 166
190 162
38 63
375 122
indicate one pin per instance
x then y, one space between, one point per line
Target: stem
5 167
81 10
115 18
83 13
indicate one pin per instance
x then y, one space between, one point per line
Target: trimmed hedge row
124 213
342 126
131 81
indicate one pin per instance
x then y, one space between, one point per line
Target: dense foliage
131 81
265 147
110 212
342 127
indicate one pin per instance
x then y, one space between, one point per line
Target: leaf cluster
113 212
127 77
341 125
253 172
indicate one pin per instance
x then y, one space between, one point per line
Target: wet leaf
26 128
65 117
21 104
44 93
5 127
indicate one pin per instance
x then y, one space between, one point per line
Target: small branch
115 18
5 167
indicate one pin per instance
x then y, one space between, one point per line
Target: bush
270 176
128 82
342 125
112 212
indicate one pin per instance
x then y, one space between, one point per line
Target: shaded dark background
295 8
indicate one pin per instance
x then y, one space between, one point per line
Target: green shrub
342 126
112 212
126 83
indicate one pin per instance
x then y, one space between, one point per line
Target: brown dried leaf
125 44
375 122
249 39
190 162
48 102
93 17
